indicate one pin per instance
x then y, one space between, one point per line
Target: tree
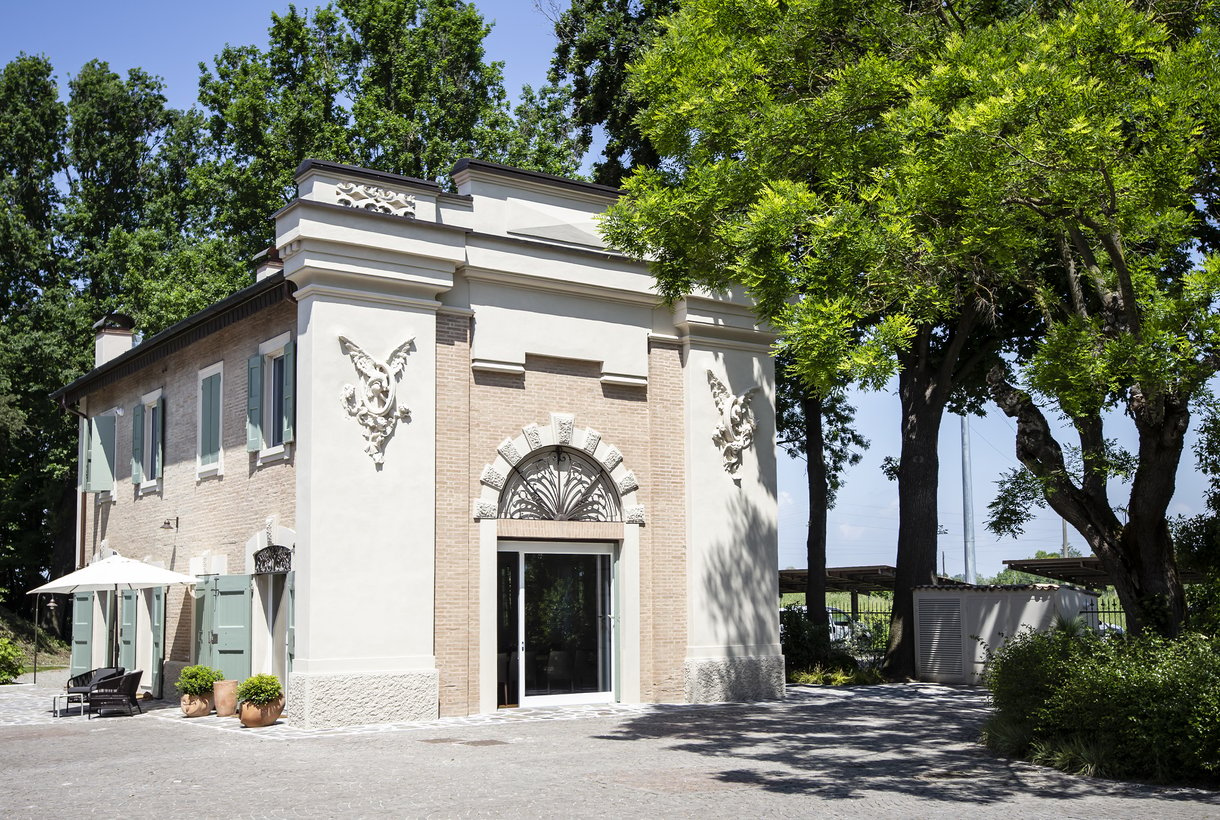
772 121
1089 139
817 429
596 41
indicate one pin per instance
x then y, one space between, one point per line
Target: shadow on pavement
910 739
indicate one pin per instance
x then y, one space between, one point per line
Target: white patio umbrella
112 575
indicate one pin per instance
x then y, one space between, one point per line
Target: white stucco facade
537 361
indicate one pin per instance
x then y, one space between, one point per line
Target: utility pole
1064 553
967 501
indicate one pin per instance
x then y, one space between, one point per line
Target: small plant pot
196 705
254 715
225 692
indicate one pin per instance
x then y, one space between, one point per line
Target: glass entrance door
555 627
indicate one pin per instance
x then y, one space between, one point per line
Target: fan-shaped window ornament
559 484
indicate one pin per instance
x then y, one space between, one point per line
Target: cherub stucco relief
372 402
735 432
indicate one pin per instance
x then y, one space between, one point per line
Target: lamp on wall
170 525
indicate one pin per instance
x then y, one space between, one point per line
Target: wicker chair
77 689
116 693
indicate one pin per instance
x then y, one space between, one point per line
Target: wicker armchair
116 693
77 689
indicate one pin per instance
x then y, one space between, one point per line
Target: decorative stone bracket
372 403
735 432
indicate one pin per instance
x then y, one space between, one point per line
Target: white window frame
151 402
202 470
271 350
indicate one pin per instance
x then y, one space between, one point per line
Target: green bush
260 689
10 661
198 680
1143 708
807 647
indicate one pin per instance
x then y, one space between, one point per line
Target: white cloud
849 533
784 500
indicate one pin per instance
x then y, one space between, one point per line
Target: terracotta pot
254 715
225 692
196 705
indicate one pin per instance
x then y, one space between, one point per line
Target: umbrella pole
37 600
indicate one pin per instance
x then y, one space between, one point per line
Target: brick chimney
113 335
267 263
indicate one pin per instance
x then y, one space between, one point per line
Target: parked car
842 626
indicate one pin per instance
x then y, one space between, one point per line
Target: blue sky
170 39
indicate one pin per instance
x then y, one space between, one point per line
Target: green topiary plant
10 661
198 680
260 690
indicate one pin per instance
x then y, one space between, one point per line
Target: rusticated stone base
325 701
715 680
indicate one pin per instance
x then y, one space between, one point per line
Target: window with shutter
271 404
148 442
99 469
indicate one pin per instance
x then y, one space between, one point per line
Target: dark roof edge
535 176
262 294
365 173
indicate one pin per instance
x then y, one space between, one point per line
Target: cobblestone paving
901 751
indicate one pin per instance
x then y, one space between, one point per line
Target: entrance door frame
610 548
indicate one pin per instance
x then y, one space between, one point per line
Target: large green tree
596 40
772 122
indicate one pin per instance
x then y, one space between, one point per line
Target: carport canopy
1085 571
876 578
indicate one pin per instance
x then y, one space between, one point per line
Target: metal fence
1105 618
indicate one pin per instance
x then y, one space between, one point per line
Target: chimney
113 336
267 263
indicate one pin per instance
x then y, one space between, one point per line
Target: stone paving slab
899 751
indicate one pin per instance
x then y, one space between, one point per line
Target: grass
52 652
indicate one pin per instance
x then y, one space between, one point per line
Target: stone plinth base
324 701
714 680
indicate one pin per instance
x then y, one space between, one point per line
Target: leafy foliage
10 661
198 680
1144 708
260 689
596 42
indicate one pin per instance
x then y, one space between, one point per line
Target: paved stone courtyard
898 751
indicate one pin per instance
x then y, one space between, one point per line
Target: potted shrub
195 683
261 700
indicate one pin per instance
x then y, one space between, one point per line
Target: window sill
147 487
270 455
210 471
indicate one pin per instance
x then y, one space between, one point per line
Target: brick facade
216 514
476 411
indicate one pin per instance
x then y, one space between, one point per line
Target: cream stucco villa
447 454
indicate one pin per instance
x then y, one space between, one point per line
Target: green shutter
137 444
82 633
159 454
254 404
101 455
127 629
231 623
286 423
209 421
158 640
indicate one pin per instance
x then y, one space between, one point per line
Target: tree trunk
815 544
1138 556
923 405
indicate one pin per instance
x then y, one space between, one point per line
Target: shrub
198 680
260 689
1144 708
10 661
808 648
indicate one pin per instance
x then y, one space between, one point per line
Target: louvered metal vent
940 637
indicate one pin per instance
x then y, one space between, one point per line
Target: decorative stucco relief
373 198
634 514
492 478
735 432
592 439
372 403
562 425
